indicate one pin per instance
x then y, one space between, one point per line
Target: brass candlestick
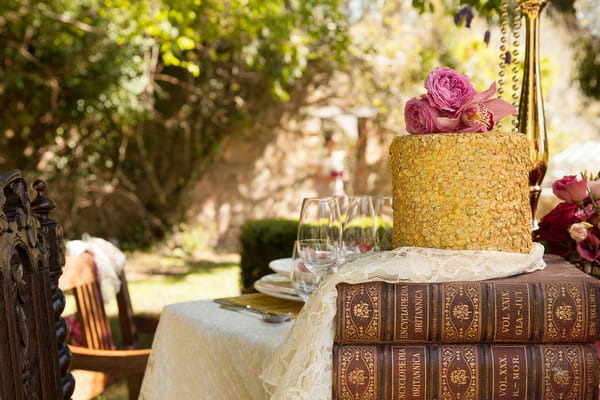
531 105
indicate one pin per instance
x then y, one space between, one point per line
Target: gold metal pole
531 105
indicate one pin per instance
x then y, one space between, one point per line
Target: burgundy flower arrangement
571 229
453 105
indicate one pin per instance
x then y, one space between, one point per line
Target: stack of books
526 337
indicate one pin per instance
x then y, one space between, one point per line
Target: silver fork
266 316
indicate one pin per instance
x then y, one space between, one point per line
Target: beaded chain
509 54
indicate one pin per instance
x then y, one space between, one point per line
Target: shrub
262 241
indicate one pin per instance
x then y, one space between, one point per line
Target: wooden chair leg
134 384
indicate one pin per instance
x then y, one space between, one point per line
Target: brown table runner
266 303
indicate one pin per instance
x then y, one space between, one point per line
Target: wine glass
358 233
303 280
343 202
384 222
319 219
320 256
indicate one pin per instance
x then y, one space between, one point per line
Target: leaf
185 43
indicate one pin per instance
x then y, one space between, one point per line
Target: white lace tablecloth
201 351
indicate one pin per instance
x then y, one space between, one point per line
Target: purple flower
464 13
448 90
420 116
589 248
487 36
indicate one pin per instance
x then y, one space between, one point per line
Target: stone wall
264 172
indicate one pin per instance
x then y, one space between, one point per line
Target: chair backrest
33 356
81 279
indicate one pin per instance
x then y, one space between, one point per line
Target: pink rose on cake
447 90
453 105
420 117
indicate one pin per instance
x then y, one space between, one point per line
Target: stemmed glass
319 219
320 256
343 203
384 223
303 280
358 232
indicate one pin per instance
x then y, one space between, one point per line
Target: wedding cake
462 190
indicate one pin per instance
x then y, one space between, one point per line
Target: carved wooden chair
33 357
98 364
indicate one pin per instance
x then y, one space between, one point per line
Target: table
201 351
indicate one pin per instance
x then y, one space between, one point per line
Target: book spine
475 371
468 312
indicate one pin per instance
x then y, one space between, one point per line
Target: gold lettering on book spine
462 309
409 365
508 362
404 313
564 312
593 315
417 376
400 364
512 322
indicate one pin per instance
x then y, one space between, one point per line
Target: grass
155 281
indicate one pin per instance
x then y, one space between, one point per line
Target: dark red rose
554 226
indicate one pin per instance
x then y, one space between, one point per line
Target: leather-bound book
465 372
555 305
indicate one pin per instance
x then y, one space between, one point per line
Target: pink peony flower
594 187
579 230
589 248
420 117
570 189
448 90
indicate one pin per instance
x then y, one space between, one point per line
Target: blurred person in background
331 172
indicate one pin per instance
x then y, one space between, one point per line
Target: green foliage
132 98
588 46
589 71
138 238
486 8
262 241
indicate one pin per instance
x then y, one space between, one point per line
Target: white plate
281 266
277 286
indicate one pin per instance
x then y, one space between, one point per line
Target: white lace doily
302 367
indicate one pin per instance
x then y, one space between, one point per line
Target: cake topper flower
453 105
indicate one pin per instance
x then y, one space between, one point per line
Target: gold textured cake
461 191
